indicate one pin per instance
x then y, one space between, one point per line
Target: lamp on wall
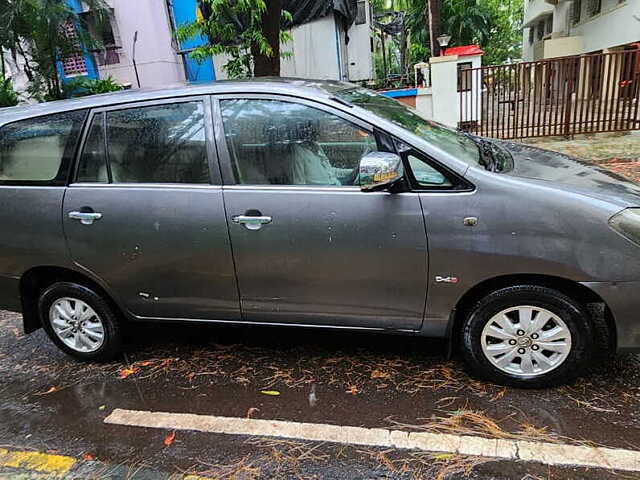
443 40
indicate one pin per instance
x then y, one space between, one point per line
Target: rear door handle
86 218
251 222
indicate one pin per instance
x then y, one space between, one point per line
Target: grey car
315 204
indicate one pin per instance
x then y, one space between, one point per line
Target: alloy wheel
526 341
77 324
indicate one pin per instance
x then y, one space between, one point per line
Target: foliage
8 96
495 25
35 29
92 86
235 28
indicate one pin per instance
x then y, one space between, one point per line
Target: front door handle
86 218
251 222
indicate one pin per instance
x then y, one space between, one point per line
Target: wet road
50 402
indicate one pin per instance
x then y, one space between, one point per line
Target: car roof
324 89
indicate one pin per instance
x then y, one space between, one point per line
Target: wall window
39 150
105 32
594 7
361 14
73 64
540 30
281 143
576 11
548 26
464 76
154 144
532 32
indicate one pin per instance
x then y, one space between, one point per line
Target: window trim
461 185
458 183
67 163
226 164
212 159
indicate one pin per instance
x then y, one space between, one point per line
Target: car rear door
145 214
309 246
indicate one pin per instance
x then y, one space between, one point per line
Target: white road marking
507 449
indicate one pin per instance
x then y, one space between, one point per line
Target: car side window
273 142
93 161
39 150
426 175
150 144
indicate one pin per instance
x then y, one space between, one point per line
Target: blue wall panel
92 70
184 11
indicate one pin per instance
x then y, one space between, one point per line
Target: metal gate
560 96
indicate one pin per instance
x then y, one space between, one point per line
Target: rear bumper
10 293
623 300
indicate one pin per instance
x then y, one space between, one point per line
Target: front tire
80 322
527 336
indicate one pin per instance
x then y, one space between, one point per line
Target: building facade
139 48
560 28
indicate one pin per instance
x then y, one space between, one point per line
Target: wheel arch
37 279
571 288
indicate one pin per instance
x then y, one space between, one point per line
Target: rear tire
527 336
80 322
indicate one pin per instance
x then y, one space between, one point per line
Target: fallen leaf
102 407
88 457
380 374
353 390
51 390
251 411
125 372
444 456
273 393
168 440
146 363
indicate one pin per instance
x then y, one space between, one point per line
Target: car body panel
30 235
329 256
546 217
164 250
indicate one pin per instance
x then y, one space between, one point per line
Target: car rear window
39 150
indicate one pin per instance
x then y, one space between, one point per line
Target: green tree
8 96
38 31
505 39
495 25
249 32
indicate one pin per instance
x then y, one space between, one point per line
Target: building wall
360 48
315 51
613 27
156 52
319 50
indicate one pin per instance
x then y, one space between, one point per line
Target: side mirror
380 170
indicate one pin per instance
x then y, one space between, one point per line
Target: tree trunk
269 65
433 20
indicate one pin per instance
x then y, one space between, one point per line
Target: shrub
8 96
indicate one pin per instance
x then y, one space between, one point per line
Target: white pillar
444 80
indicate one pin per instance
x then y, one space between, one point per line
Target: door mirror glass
380 170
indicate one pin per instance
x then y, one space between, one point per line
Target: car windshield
444 138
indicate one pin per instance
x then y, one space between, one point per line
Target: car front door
309 246
145 214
